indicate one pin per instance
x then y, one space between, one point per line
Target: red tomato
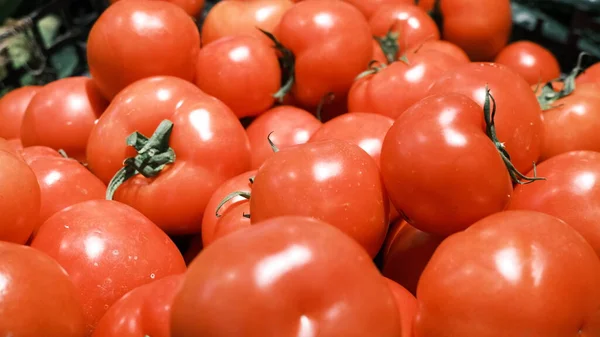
242 71
378 92
63 181
505 276
144 311
108 249
590 75
481 28
535 63
12 146
331 180
317 33
62 114
192 7
570 193
406 253
212 226
305 276
38 299
442 46
369 7
431 162
287 125
165 42
407 306
12 110
239 17
20 195
519 118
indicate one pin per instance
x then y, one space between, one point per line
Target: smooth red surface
444 47
369 7
532 61
590 75
192 7
407 307
12 110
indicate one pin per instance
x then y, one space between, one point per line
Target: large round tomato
332 180
136 39
108 249
285 277
12 110
444 47
506 276
192 7
37 297
241 71
590 75
535 63
62 114
407 307
519 116
144 311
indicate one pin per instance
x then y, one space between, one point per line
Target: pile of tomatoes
340 169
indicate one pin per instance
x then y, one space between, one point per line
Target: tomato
442 46
378 54
505 275
38 299
287 125
378 92
406 253
288 276
369 7
192 7
572 122
63 181
535 63
62 114
212 225
590 75
569 193
407 306
333 181
241 71
519 118
12 146
237 17
319 34
108 249
481 28
12 110
165 42
144 311
431 163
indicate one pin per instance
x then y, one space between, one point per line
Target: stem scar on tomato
548 96
153 155
287 62
389 45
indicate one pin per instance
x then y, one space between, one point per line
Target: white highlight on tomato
509 264
239 54
200 119
325 170
94 246
324 20
274 267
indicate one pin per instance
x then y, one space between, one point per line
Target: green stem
287 62
373 68
389 45
273 146
230 196
548 96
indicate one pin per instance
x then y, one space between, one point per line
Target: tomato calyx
489 112
373 68
389 45
548 96
287 62
153 155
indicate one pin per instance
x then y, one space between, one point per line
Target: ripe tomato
318 33
407 306
12 146
144 311
590 75
535 63
378 92
62 114
287 125
20 195
442 46
38 299
165 42
192 7
519 118
297 277
369 7
242 71
63 181
331 180
505 275
213 226
430 162
108 249
12 110
570 193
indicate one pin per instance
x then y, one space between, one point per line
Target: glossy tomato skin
518 115
167 43
241 71
271 270
535 63
144 311
192 7
38 299
62 114
407 306
443 46
20 195
572 122
369 7
505 275
332 180
568 193
320 33
239 17
108 249
289 126
591 75
12 110
211 224
430 161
